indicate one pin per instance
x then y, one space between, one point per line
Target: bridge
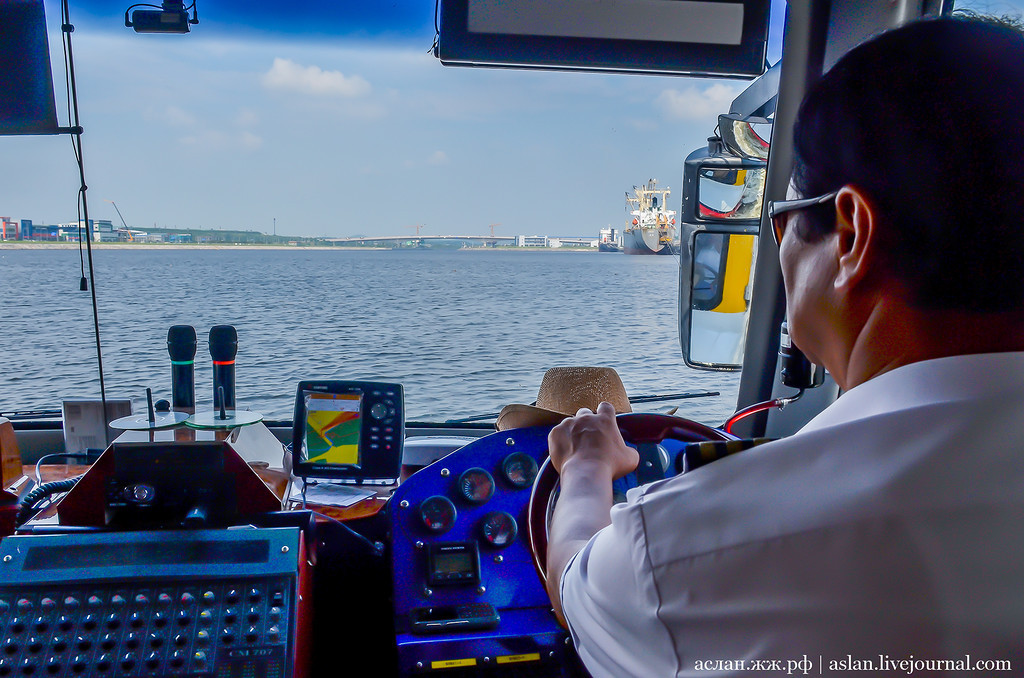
489 239
408 238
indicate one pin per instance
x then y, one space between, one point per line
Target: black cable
376 547
27 508
67 28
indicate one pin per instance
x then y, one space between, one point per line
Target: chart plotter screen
332 429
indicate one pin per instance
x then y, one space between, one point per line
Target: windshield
292 129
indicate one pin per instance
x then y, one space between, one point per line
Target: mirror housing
716 271
723 194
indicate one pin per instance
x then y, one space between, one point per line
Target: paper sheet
331 494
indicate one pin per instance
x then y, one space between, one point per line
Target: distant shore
224 246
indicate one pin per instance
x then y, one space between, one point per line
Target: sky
343 124
337 135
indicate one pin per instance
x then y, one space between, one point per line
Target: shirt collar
926 382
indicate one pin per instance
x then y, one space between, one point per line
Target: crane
127 231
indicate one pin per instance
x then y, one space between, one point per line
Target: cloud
250 140
695 103
438 158
246 118
178 117
211 140
288 75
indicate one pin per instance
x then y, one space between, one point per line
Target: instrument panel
465 590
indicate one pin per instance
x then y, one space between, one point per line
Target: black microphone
223 347
181 345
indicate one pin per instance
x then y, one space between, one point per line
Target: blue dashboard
467 596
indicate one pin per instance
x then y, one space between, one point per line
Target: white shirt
891 525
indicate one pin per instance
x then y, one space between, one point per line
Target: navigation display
332 428
352 431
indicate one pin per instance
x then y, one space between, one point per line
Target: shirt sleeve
611 603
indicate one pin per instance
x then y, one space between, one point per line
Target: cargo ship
651 228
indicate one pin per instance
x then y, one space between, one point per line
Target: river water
466 331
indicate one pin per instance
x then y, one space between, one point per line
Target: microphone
223 347
181 345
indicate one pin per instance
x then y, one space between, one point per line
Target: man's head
921 125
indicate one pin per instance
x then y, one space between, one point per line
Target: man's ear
857 244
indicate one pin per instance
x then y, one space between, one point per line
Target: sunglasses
777 209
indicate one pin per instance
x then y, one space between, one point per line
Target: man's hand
591 437
588 452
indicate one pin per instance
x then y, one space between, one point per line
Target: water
466 332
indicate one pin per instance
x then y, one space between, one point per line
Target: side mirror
714 302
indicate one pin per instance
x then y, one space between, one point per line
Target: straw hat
563 391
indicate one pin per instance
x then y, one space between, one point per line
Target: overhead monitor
669 37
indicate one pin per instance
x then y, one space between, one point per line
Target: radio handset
797 371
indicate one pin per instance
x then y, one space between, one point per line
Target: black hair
926 119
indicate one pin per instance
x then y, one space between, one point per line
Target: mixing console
141 604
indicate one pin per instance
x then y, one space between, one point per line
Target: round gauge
519 469
476 485
438 513
499 529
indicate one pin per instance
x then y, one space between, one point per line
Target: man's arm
588 452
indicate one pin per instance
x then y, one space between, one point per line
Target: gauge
438 513
476 485
519 469
499 529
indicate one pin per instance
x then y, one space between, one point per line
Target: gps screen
333 423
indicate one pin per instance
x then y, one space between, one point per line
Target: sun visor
716 38
26 80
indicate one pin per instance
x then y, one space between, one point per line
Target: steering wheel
636 428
